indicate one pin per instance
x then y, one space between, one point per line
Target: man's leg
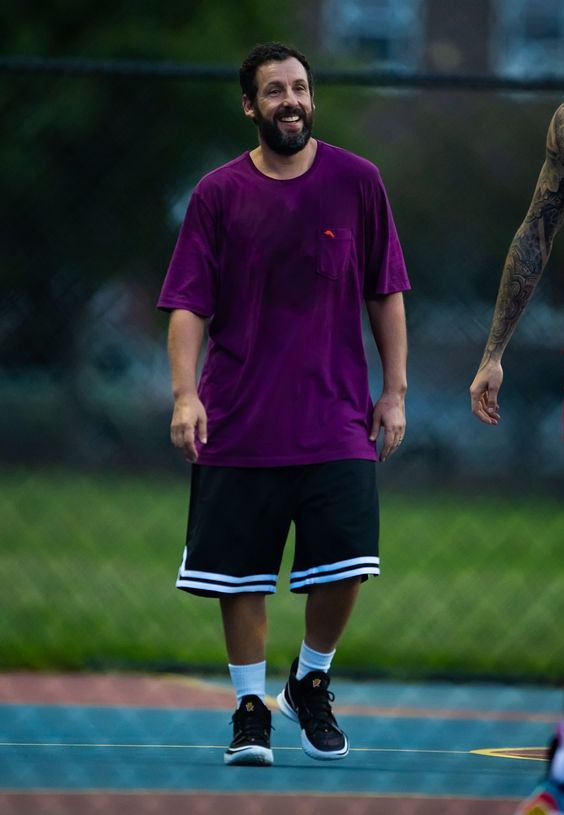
238 523
306 698
336 541
328 608
244 624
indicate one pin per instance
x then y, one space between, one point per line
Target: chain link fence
96 173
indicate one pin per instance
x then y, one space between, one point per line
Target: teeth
290 119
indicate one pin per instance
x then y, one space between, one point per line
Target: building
507 38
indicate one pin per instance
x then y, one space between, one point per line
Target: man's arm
387 320
185 336
526 259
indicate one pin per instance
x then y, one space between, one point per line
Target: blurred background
97 164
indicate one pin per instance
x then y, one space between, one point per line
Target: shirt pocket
334 252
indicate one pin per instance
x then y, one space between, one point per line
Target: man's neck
274 165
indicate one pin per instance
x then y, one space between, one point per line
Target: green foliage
469 587
145 29
91 167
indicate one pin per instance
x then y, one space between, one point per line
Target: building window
381 33
528 38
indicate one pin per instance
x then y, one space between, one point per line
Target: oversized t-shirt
281 269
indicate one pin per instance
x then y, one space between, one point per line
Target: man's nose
290 97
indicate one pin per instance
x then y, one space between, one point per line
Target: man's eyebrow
273 83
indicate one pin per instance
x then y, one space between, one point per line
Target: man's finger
476 396
481 414
203 429
376 424
398 438
480 410
189 443
492 406
388 446
177 435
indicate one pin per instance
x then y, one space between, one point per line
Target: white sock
557 766
311 660
249 680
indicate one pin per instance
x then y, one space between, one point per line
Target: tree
92 166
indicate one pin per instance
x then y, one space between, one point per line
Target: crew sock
249 680
311 660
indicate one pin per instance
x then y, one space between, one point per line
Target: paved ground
85 744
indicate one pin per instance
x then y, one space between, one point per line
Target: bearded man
279 252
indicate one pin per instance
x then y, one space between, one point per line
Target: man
526 259
279 249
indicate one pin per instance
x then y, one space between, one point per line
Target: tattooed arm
522 271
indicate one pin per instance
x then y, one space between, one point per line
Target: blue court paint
183 750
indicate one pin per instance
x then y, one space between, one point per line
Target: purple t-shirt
281 269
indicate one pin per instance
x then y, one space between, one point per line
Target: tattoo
530 248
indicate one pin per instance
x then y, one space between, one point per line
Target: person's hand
188 419
484 390
389 416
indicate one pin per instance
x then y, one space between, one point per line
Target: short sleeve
385 270
191 279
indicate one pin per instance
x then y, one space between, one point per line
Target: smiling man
279 250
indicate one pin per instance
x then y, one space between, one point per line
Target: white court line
217 747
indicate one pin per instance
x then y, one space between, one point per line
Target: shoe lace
253 725
317 704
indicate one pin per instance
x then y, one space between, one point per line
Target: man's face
283 107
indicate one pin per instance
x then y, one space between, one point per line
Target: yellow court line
505 752
490 752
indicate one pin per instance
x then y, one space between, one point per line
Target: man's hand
389 415
188 419
484 390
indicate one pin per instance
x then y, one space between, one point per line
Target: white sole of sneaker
285 708
320 755
249 756
307 747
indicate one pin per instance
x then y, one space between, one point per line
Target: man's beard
286 144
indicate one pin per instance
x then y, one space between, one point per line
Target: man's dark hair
268 52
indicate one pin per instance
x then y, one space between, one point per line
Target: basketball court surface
112 743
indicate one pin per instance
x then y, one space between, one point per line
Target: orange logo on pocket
329 233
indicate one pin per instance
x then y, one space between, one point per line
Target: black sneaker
308 701
251 734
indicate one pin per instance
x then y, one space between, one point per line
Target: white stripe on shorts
183 583
225 583
335 571
226 578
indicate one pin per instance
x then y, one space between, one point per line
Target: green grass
470 586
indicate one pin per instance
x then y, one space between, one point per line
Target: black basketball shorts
239 518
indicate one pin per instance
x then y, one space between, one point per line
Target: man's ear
248 108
